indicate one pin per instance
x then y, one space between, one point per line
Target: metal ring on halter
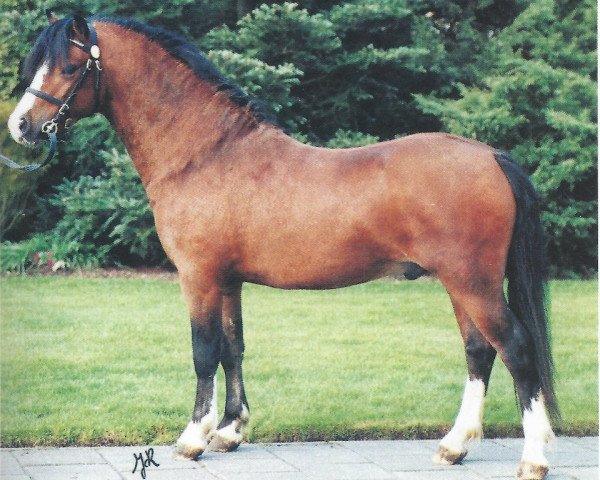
51 126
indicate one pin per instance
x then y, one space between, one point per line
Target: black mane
52 46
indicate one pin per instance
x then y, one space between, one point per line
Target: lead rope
33 166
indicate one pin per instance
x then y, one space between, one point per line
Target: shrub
349 138
531 104
16 188
111 210
103 220
49 251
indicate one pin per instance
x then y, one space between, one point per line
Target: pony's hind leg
514 343
536 425
228 435
205 310
480 357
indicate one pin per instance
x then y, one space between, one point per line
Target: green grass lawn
108 361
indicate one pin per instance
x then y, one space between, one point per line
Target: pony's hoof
445 456
223 444
188 452
530 471
225 439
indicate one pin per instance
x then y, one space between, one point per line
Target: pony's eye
69 69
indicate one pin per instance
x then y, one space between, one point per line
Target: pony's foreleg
206 345
480 357
228 435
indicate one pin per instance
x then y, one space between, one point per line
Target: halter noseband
60 122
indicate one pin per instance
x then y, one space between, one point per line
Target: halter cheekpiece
56 127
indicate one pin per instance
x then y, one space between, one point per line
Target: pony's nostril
23 125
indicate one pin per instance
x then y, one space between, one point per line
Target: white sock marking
468 424
26 104
197 434
232 431
538 432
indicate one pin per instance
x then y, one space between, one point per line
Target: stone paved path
571 458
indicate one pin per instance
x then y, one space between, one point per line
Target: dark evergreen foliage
518 75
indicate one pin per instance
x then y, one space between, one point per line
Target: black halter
56 127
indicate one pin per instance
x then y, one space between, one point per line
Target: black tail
526 271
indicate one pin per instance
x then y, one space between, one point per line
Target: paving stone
221 465
565 452
570 459
391 447
585 442
493 468
438 475
488 451
264 476
582 458
412 463
57 456
123 460
559 476
561 445
160 474
403 462
515 444
303 454
72 472
585 473
248 450
9 465
347 471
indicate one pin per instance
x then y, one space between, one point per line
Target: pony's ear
51 17
80 28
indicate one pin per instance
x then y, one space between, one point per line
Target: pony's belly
324 278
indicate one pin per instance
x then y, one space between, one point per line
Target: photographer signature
144 462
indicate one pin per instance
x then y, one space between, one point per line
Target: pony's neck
167 117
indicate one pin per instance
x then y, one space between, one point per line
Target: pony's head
62 68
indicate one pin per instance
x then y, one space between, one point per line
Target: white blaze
26 103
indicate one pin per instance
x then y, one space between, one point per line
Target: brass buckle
63 109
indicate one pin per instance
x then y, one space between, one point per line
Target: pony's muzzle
26 131
22 129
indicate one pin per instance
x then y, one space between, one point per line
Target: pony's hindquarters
516 330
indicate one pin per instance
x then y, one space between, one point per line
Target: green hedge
518 75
